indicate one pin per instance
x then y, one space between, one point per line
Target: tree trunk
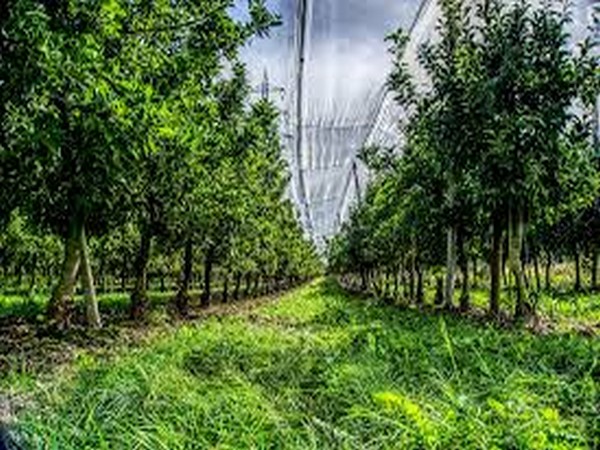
412 278
496 266
226 288
33 271
92 314
255 291
536 268
475 277
450 266
595 268
162 282
248 284
208 266
516 231
124 274
463 263
465 298
548 270
182 299
59 305
396 276
420 298
439 291
577 256
139 295
236 289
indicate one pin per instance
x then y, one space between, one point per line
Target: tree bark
92 313
33 270
139 295
577 256
548 270
226 288
496 266
450 266
255 291
60 303
248 284
536 268
439 291
463 262
420 298
124 273
515 247
412 278
182 299
208 266
595 267
465 298
236 289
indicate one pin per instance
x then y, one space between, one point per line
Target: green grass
322 370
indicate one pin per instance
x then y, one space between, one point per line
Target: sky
347 64
345 46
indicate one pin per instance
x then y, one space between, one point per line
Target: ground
318 369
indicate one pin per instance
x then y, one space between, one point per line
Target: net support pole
300 66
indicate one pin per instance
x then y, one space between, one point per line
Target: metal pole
302 19
356 182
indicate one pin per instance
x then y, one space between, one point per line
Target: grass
322 370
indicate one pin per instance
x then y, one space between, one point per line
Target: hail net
326 68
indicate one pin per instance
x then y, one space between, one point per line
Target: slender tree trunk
515 239
420 299
475 273
439 291
139 295
465 298
162 281
577 256
363 280
182 299
255 291
248 284
60 303
595 268
124 273
536 268
450 266
463 263
226 288
412 278
238 282
396 276
496 266
388 282
208 266
92 312
548 270
404 281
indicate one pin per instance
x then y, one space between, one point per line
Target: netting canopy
326 69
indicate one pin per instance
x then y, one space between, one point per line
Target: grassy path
320 370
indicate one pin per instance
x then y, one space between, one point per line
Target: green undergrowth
322 370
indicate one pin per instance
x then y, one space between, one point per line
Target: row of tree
500 159
129 123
